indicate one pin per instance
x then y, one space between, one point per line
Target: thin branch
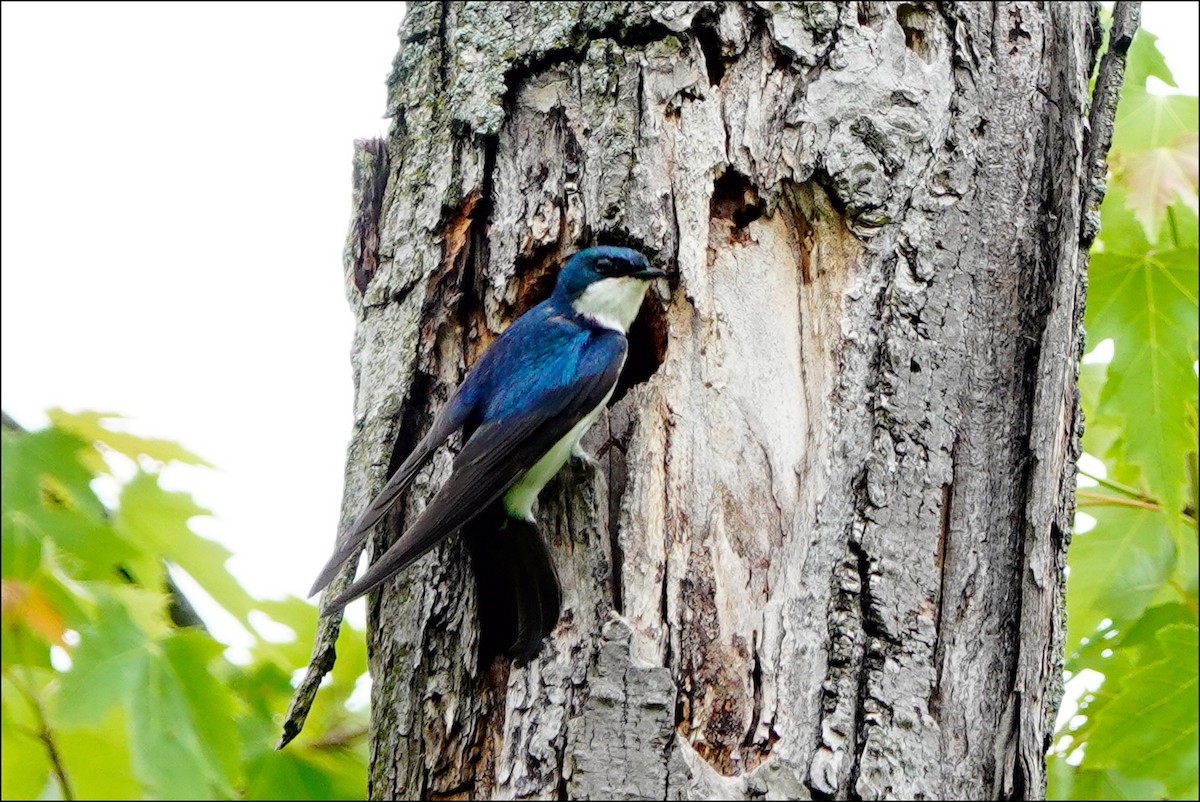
360 261
1101 118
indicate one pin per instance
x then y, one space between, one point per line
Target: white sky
176 191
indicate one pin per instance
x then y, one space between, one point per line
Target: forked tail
516 587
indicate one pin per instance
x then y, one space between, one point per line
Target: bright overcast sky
176 190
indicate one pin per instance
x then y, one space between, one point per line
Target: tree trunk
823 555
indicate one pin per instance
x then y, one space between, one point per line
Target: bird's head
606 284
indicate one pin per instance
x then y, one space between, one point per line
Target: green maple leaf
1155 179
182 730
1154 149
1117 568
1144 722
95 427
1146 121
1144 297
1145 60
157 521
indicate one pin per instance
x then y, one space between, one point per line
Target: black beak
649 273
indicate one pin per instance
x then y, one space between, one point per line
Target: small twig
56 762
43 732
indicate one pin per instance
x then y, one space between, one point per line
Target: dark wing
452 416
490 463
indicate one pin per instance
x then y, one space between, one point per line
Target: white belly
518 501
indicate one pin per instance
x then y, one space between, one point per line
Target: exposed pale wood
823 553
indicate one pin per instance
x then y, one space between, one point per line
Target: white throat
612 302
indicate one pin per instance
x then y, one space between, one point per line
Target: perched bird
523 408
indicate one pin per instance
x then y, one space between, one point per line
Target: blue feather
537 387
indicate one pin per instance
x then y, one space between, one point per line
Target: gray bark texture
822 556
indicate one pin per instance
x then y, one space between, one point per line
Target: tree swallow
523 409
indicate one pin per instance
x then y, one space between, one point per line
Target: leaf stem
1123 489
339 740
1101 500
1189 601
1132 499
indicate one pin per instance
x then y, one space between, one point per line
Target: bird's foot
582 460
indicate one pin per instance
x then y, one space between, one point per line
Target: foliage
1132 588
112 687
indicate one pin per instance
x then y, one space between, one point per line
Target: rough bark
823 555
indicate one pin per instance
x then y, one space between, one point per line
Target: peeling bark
823 554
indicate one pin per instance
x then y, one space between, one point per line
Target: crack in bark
709 41
616 490
871 657
444 48
943 559
756 681
370 176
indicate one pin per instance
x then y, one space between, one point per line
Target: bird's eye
606 267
